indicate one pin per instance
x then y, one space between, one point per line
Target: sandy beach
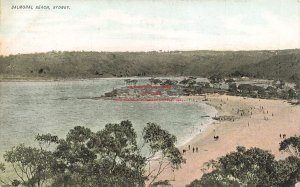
252 123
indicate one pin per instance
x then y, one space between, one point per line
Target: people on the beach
194 149
282 135
216 137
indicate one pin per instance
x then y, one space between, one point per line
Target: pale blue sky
116 25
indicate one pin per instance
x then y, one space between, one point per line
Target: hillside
281 64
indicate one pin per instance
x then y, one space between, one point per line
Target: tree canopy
111 157
250 167
291 145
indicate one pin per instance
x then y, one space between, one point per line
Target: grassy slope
284 64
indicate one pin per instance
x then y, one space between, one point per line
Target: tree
127 81
119 162
4 182
217 78
232 87
106 158
72 157
188 81
155 81
134 81
215 179
272 91
111 157
288 171
169 82
291 145
2 170
244 167
260 90
160 141
250 167
278 84
31 165
292 93
245 88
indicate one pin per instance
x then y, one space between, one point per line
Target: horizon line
150 51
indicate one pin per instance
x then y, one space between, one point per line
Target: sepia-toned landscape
150 93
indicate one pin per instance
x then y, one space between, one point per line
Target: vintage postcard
132 93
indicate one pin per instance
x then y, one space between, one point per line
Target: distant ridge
270 64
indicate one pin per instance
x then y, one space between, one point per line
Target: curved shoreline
259 125
200 128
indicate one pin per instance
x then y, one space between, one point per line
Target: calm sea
29 108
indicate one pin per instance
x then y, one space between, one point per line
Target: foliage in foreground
291 145
110 157
254 167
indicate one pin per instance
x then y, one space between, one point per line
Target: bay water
29 108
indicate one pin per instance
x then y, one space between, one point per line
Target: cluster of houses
146 92
168 89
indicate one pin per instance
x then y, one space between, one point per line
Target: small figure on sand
283 136
183 151
189 147
197 149
216 137
193 149
280 135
